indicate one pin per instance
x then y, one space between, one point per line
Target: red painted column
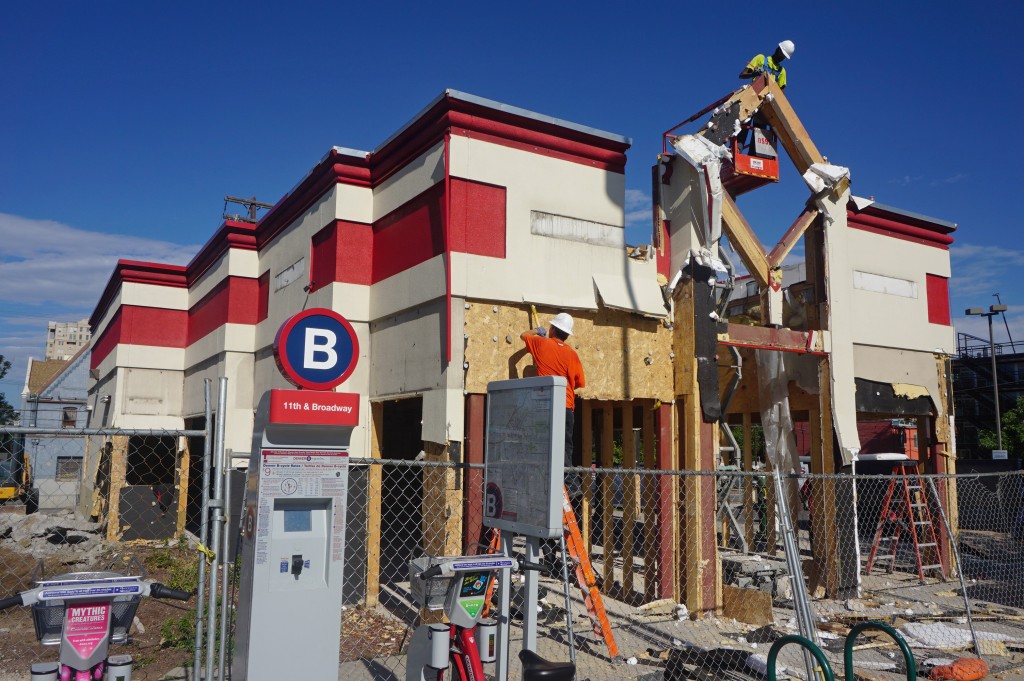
473 480
666 505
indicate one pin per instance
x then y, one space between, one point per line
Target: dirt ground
153 659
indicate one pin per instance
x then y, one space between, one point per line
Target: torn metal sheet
634 295
860 202
822 176
840 326
706 158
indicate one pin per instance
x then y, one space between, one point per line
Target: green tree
1013 432
7 413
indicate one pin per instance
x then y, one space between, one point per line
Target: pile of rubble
52 534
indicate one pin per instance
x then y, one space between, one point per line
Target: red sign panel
309 407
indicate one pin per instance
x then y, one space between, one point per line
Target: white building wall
887 319
543 269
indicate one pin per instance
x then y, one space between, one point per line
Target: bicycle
460 586
83 613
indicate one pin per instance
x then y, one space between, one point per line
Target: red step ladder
905 512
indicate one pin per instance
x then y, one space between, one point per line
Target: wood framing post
118 475
649 499
587 451
607 495
667 506
473 480
184 461
373 492
749 495
824 502
442 501
629 496
936 463
698 448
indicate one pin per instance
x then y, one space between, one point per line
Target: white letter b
328 340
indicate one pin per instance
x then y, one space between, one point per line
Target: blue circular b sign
316 349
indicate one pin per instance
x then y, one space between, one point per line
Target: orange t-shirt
554 358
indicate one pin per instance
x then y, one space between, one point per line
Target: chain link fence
85 499
691 566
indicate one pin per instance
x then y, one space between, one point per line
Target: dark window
69 469
69 417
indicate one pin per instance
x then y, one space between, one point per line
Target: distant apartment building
65 339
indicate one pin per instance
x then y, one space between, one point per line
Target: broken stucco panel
909 391
624 356
912 374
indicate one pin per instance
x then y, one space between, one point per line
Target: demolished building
435 246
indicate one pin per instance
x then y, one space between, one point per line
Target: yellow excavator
16 475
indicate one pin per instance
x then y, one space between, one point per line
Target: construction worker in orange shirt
552 356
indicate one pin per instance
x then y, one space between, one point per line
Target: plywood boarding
624 356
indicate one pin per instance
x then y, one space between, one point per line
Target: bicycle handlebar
431 572
537 567
11 601
157 590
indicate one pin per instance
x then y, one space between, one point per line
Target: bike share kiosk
293 524
523 490
523 495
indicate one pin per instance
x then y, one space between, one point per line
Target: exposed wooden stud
587 449
668 506
791 237
629 498
184 461
472 506
744 240
749 499
373 520
790 130
607 495
118 473
649 498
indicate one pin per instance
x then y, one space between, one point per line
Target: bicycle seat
536 668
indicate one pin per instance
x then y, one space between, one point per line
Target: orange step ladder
581 567
905 512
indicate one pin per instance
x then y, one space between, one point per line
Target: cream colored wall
889 320
148 398
235 262
412 180
537 268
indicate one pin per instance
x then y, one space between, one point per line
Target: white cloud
638 208
48 262
952 179
51 271
984 270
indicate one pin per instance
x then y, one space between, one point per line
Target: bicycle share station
293 523
523 464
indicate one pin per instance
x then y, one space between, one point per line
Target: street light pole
993 310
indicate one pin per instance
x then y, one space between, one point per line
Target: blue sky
123 125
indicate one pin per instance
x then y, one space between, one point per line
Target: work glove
541 331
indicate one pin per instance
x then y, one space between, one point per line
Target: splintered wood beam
790 130
791 237
743 239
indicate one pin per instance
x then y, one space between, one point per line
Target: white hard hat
788 48
563 322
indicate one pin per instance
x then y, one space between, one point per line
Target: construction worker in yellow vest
771 65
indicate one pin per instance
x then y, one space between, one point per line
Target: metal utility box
293 537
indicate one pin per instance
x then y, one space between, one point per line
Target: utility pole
251 206
993 310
